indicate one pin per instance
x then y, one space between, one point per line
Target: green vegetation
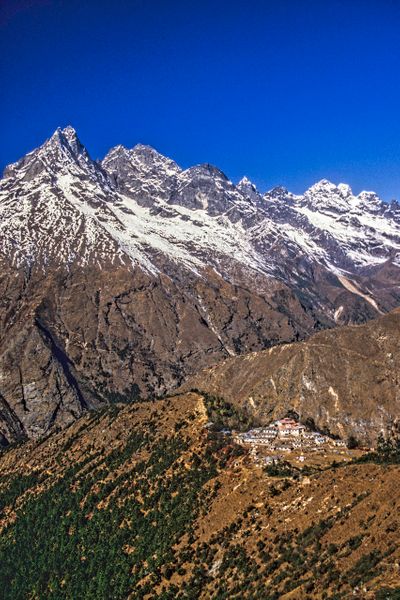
15 488
290 560
281 469
387 451
224 415
128 521
365 568
352 442
388 594
132 394
109 525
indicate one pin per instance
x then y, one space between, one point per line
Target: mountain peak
139 162
279 191
247 188
368 195
345 190
245 181
150 156
369 201
145 149
61 154
71 137
206 169
115 153
322 185
246 184
328 187
326 196
66 138
68 132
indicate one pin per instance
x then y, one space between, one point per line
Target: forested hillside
144 501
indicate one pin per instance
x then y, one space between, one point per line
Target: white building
340 443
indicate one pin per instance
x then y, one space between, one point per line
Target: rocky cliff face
122 278
345 380
76 339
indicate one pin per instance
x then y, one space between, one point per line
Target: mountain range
122 278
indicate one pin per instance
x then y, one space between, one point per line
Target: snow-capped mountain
129 273
58 204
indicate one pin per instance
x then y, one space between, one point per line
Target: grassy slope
140 501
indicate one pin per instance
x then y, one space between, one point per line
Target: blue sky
285 92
